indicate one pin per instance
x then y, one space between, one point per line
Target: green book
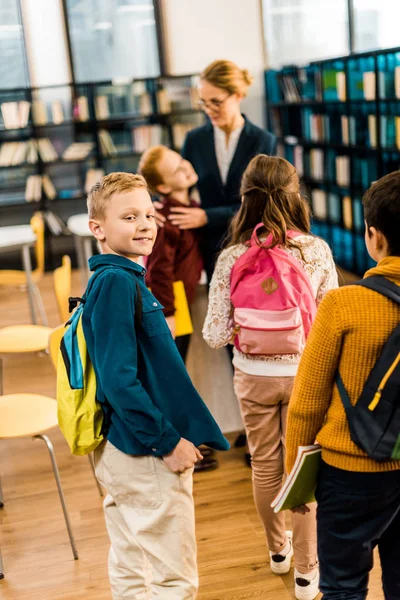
300 484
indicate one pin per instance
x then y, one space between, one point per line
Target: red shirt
175 257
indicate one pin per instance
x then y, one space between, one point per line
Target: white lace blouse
218 326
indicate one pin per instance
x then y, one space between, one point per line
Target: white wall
45 42
200 31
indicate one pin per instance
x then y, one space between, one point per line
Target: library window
13 69
113 39
376 24
299 31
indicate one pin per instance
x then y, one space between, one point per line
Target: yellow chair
14 278
30 415
19 339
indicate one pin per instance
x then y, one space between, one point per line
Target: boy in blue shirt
155 418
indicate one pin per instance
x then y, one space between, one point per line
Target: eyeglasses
213 104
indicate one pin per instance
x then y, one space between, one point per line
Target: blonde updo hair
226 75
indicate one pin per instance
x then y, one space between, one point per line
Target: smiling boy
152 425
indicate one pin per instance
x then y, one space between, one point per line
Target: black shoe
240 441
208 463
247 459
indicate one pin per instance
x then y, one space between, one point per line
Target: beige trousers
263 404
149 515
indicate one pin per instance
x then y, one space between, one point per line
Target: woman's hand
300 510
188 218
160 219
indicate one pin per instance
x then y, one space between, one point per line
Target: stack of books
78 151
16 153
107 145
15 114
46 150
146 136
93 176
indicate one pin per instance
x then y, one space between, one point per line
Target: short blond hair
148 166
103 190
226 75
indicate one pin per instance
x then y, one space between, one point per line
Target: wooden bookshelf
118 120
345 108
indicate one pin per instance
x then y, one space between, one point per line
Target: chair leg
40 306
91 462
1 495
1 567
60 491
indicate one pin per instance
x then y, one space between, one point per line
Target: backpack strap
343 394
74 300
383 286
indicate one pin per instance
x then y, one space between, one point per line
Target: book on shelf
319 204
347 212
163 102
298 160
372 131
341 86
107 145
39 112
48 187
15 114
82 108
397 82
33 188
369 83
54 223
146 136
78 151
46 150
343 171
300 485
145 106
101 107
14 153
32 153
57 112
93 176
179 131
317 164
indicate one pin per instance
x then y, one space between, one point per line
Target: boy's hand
188 218
183 456
160 219
171 324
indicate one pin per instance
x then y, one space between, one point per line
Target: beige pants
149 515
263 404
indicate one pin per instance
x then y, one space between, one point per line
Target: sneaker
280 563
306 586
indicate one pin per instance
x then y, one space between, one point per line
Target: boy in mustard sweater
358 498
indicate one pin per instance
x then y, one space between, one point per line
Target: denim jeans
357 512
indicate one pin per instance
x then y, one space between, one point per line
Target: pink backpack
273 301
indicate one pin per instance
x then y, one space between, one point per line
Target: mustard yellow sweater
350 329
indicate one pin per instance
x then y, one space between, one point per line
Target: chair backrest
54 344
62 287
37 225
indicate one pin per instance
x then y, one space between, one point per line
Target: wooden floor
37 557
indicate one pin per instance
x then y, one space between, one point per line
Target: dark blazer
222 201
141 381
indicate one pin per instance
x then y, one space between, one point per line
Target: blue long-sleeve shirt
141 379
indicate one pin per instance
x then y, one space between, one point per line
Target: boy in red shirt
176 255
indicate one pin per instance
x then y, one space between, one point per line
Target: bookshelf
56 142
338 122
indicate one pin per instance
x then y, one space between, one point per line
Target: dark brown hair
270 193
382 209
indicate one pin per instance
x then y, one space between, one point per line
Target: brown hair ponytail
270 193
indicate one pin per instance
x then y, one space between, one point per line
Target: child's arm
330 278
115 357
218 326
315 379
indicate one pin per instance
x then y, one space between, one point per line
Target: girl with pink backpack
264 293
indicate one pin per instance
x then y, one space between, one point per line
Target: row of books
15 114
146 136
18 153
34 186
330 83
38 184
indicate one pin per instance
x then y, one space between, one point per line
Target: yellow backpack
80 415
